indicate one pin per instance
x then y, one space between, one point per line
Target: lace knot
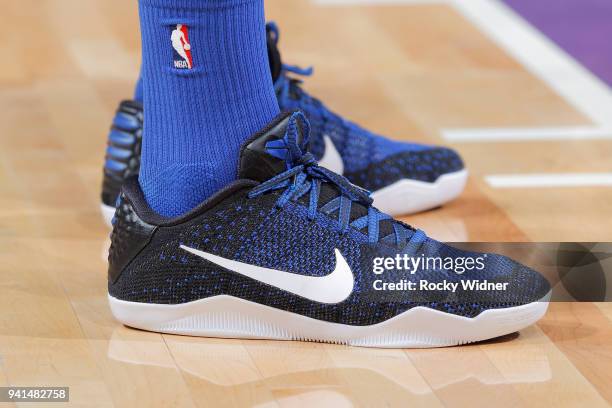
307 160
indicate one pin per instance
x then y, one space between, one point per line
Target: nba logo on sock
181 47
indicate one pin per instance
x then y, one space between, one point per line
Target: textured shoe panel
425 165
122 158
524 284
130 235
164 273
372 161
255 232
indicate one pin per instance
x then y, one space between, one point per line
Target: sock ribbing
196 119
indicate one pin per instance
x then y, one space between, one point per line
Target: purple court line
583 28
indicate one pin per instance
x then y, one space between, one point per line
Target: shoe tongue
276 63
267 153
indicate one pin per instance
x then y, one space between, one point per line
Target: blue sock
138 90
209 87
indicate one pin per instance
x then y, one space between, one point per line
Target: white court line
550 180
540 56
526 134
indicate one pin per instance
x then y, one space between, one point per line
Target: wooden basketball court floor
533 127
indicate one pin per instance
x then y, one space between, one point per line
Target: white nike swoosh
331 159
332 288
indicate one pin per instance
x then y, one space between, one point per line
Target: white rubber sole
412 196
230 317
108 213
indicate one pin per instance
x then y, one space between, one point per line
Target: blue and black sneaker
122 159
403 177
293 251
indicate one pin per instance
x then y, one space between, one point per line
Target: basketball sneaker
403 177
293 251
122 159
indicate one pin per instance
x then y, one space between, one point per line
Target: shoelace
289 89
286 86
304 176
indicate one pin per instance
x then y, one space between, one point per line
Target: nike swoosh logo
332 288
331 159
